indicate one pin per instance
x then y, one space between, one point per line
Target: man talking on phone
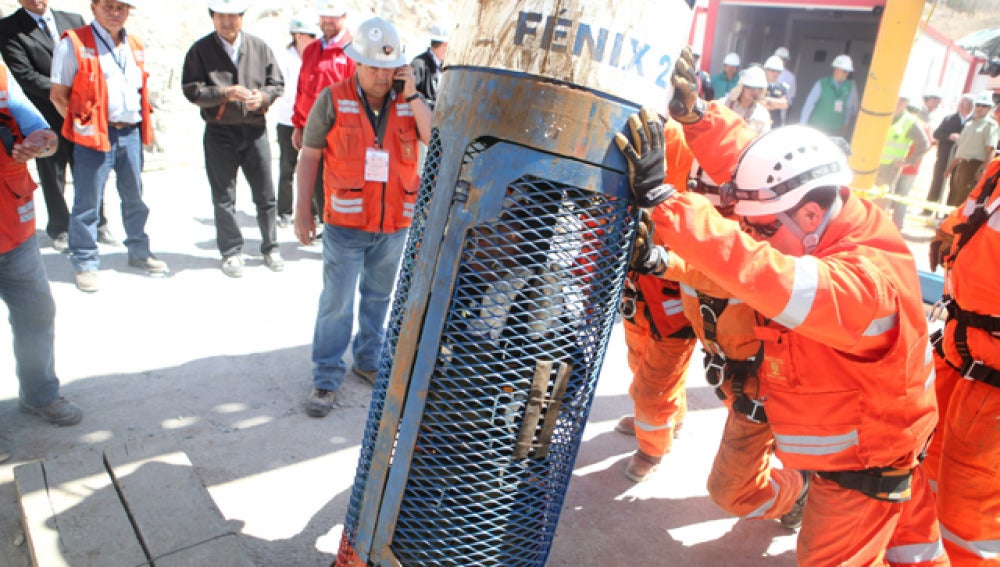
365 133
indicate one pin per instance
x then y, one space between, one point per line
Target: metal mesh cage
526 327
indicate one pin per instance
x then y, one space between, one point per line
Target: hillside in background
958 18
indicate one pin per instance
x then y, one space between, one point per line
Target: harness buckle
757 414
714 367
970 369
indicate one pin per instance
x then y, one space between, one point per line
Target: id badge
838 106
376 165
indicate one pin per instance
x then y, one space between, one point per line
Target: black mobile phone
397 85
7 137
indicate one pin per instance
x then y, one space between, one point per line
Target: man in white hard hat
233 77
906 142
787 76
726 80
365 132
428 66
745 99
776 98
105 103
975 148
832 102
323 64
929 111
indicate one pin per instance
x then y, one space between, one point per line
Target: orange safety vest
847 369
17 207
87 112
352 202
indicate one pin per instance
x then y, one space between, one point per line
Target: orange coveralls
965 452
659 359
847 369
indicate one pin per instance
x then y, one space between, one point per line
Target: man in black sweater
234 77
946 135
428 65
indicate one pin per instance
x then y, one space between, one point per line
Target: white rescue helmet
754 78
700 182
228 6
732 60
774 63
843 62
779 168
376 44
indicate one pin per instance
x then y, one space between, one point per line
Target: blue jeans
24 287
90 174
350 255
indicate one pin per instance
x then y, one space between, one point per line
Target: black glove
685 106
940 247
647 258
646 164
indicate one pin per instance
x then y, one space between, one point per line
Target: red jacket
847 370
351 201
320 69
17 207
87 112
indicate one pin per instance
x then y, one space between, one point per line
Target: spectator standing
324 63
24 285
832 102
776 98
303 33
105 103
946 134
234 78
928 113
705 88
428 66
365 133
745 99
786 77
726 80
917 141
976 146
27 39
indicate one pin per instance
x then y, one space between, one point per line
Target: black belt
890 485
123 125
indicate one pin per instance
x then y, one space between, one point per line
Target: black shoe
793 519
61 242
284 221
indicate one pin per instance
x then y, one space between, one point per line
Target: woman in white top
303 33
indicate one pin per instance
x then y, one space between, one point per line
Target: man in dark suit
27 38
946 135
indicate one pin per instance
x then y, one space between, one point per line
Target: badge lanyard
123 62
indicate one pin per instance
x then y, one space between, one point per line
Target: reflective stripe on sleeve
985 548
914 552
767 505
882 325
816 444
803 292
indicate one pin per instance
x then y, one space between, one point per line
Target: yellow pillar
895 39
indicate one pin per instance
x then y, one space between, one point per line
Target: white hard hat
774 63
777 169
733 60
782 52
754 78
439 32
843 62
302 24
932 92
984 98
228 6
377 45
332 8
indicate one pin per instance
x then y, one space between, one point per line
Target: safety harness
632 295
888 484
970 368
718 368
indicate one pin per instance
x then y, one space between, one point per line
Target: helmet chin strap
811 240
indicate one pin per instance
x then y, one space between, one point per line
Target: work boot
368 375
641 466
320 402
61 242
105 237
626 425
793 519
57 412
87 281
273 261
232 266
153 265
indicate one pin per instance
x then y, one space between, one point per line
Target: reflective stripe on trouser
845 527
658 368
968 495
742 481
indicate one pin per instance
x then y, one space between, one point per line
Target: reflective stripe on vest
985 548
897 143
816 444
803 295
914 552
